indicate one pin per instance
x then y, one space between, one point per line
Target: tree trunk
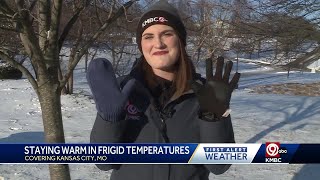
276 51
199 51
60 76
259 48
49 97
70 84
86 62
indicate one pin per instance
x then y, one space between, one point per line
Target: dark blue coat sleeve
107 132
217 132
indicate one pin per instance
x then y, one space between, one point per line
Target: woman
162 100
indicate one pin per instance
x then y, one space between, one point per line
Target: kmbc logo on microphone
273 152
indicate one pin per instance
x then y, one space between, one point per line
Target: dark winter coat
177 121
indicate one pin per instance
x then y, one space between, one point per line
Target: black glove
214 96
110 100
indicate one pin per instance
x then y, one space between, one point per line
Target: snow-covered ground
257 118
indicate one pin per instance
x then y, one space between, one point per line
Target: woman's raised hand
110 100
214 96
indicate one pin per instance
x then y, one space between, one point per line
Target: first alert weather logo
226 153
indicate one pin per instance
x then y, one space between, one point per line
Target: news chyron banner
203 153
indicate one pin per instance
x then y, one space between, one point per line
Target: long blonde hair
184 72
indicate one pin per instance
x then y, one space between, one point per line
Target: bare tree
87 25
38 25
205 22
288 24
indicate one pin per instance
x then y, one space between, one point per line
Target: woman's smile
159 53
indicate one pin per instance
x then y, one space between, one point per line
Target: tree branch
97 14
24 70
32 5
30 42
53 35
44 22
5 9
84 48
69 26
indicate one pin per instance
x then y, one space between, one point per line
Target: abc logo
273 150
282 151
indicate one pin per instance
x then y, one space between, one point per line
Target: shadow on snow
24 137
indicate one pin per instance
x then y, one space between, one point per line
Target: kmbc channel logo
273 152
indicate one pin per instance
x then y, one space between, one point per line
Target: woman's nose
159 43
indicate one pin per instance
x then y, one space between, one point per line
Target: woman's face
160 47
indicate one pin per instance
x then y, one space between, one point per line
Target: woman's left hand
214 96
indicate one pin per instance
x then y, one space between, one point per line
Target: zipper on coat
163 128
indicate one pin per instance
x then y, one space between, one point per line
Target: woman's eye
147 37
168 34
